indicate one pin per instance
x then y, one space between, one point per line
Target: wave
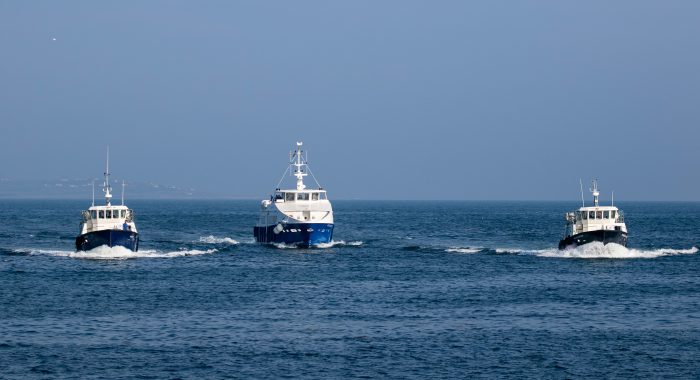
422 248
596 250
508 250
463 250
211 239
334 243
114 253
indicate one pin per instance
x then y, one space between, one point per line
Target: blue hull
299 234
110 238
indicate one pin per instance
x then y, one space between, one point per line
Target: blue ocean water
408 290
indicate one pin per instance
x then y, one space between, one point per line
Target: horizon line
2 198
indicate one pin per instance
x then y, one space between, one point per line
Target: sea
406 290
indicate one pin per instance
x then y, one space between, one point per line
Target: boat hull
110 238
603 236
298 234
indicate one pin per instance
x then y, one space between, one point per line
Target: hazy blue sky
393 99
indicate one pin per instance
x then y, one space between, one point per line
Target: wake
334 243
466 250
114 253
211 239
597 250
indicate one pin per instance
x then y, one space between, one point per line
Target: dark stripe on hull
603 236
299 234
110 238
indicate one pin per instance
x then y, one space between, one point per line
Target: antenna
122 192
298 172
93 192
299 159
583 202
595 192
107 188
613 198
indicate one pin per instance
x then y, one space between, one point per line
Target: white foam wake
334 243
284 246
463 250
211 239
115 253
508 250
597 250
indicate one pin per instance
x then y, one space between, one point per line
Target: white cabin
108 217
297 206
596 217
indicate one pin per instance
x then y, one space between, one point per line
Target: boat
107 225
605 224
299 217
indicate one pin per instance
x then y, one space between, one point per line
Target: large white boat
107 225
605 224
302 217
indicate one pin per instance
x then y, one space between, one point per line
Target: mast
595 192
106 187
583 202
298 161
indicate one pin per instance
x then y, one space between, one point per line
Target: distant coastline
81 188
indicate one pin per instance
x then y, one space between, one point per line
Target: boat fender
278 228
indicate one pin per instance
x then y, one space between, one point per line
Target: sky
440 100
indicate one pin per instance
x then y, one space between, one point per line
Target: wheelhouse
299 195
602 215
95 214
108 217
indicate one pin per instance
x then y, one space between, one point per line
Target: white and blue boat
108 225
605 224
299 217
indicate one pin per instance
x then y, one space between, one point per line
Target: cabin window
102 214
584 215
93 214
314 196
591 215
323 195
108 214
123 213
289 197
612 214
279 196
599 215
606 214
303 196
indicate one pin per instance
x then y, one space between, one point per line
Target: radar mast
106 187
595 192
298 161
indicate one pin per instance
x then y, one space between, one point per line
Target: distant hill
66 188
